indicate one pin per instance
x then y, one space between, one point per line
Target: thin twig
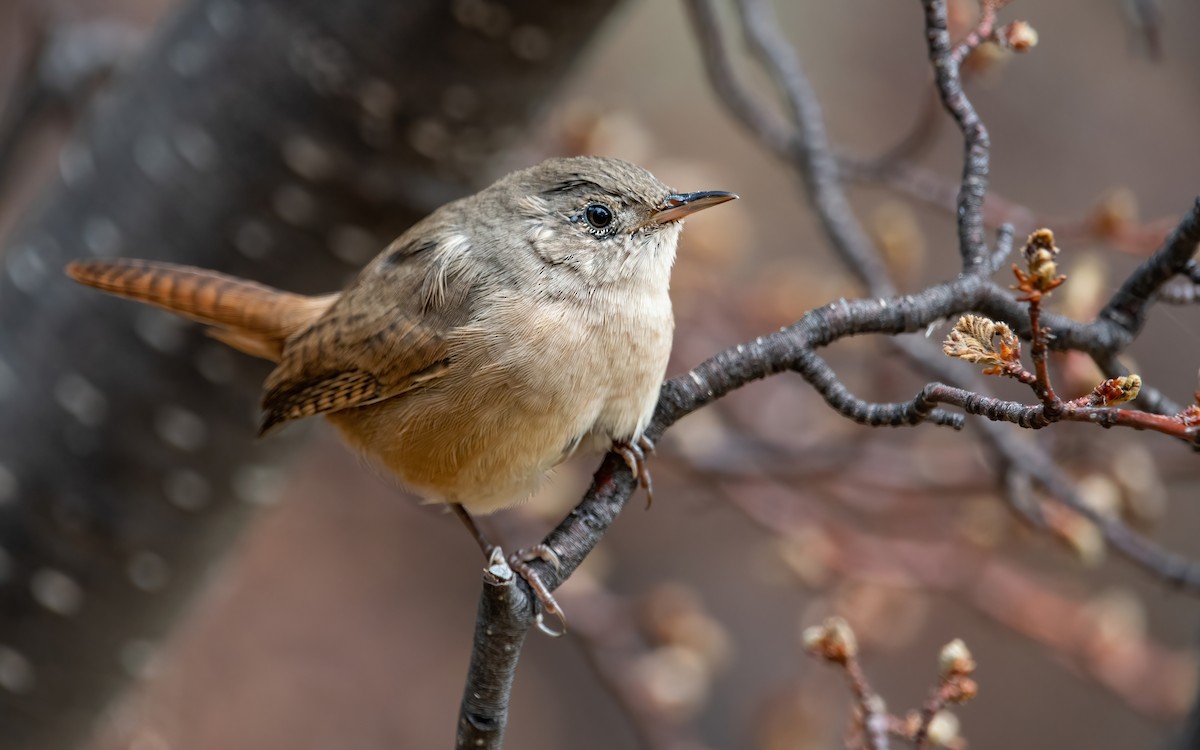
803 141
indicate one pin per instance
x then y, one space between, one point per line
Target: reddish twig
985 30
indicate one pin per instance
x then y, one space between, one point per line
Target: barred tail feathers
248 316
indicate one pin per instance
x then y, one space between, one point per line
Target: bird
493 339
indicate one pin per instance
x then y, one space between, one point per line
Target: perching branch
794 349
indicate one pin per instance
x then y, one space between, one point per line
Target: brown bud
1116 391
943 729
832 640
955 659
1019 36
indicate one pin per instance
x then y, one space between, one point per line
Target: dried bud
1116 391
955 660
832 640
943 729
1040 259
971 340
1019 36
1191 415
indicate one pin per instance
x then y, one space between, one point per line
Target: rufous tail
248 316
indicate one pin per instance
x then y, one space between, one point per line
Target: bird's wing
387 334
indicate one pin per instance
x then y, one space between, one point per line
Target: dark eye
597 215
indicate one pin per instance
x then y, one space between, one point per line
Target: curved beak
678 205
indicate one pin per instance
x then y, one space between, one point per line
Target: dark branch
1129 306
499 635
973 188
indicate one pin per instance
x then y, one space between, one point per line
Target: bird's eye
597 215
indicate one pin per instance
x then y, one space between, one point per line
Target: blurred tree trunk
283 140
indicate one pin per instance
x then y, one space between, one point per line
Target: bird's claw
635 452
519 562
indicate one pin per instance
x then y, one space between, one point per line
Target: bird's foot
635 452
519 562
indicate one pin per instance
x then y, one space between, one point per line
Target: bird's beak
678 205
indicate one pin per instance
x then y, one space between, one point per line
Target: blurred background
335 611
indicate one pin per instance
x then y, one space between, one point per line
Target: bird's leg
519 562
634 452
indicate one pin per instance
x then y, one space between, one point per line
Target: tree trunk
282 140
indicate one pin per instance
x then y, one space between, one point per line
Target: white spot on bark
16 672
253 239
196 146
79 398
160 330
26 268
148 572
187 490
257 485
153 156
379 102
56 591
322 61
101 236
294 205
352 245
429 138
180 428
489 18
75 164
188 58
378 98
307 158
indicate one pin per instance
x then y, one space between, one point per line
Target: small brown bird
481 348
